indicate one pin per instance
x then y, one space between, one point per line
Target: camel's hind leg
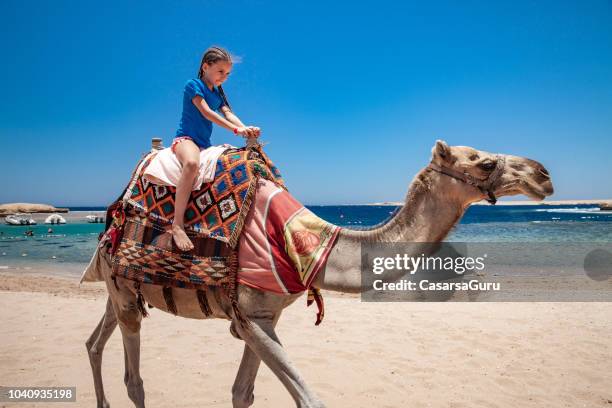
95 346
128 314
131 343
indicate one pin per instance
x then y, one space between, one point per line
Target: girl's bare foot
180 238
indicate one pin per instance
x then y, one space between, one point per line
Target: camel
436 200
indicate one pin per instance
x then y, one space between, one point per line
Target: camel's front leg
261 338
244 385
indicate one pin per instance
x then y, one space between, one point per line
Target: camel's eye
488 165
474 157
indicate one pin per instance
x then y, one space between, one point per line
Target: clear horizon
350 101
500 202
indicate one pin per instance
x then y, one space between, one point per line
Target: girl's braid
212 55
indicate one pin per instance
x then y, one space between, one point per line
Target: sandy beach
363 355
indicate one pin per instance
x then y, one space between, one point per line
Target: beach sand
363 354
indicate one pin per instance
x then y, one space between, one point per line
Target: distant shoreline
97 209
29 208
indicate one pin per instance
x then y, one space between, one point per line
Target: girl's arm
213 116
231 116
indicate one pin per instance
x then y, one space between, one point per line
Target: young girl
203 96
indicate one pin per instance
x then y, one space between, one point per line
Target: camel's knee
94 352
129 317
93 348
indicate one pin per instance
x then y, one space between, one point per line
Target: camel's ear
442 150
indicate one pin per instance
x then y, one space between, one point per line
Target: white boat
95 218
19 219
15 220
55 219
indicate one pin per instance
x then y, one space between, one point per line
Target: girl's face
217 73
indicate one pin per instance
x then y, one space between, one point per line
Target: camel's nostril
544 172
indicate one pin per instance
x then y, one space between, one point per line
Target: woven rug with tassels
220 206
139 236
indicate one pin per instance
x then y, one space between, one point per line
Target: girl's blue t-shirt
193 123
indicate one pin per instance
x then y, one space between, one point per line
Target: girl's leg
189 155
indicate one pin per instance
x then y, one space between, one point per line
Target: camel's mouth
536 196
540 191
534 192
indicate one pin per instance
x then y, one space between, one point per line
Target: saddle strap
314 295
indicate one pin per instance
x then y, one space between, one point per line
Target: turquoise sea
69 247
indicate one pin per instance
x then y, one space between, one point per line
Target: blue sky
350 96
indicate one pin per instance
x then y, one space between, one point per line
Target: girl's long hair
212 55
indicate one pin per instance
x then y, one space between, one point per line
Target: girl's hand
244 131
256 131
249 131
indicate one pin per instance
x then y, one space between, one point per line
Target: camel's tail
94 271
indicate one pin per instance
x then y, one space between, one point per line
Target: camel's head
486 175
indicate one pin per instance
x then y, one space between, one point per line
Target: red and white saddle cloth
283 245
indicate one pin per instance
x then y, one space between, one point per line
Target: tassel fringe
246 205
203 301
233 291
167 291
140 300
114 278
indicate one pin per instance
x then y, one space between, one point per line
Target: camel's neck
433 206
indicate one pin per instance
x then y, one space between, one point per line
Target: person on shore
203 97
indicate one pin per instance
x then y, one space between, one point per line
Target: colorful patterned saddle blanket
282 245
146 254
219 206
142 245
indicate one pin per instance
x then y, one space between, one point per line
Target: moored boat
55 219
19 219
95 218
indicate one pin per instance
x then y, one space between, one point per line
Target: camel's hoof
242 403
241 397
136 393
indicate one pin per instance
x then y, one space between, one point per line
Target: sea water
70 246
